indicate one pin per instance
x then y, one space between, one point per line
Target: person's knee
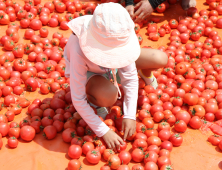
162 59
108 96
101 92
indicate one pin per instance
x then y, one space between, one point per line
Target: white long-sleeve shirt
77 66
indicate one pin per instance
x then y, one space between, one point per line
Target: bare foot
188 3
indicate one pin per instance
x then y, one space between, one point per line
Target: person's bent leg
151 59
101 92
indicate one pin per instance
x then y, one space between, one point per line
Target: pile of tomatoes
189 91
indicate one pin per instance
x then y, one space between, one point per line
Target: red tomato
4 129
27 133
13 142
137 155
87 147
190 99
75 151
150 166
68 134
93 156
50 132
150 156
163 160
176 139
180 126
74 164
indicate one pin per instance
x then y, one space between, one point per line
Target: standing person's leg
149 60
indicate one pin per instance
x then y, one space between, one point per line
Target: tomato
10 99
50 132
164 152
74 164
14 131
20 65
68 134
183 115
195 122
214 139
12 142
105 167
31 84
140 143
154 140
154 36
87 147
9 45
161 8
137 155
164 135
4 19
190 99
180 126
75 151
4 129
163 160
27 133
166 167
35 24
107 153
150 156
150 166
93 156
158 116
125 157
176 139
211 107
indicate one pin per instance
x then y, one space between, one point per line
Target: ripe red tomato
87 147
68 135
176 139
190 99
150 156
60 7
75 151
50 132
180 126
163 160
214 139
74 164
13 142
93 156
150 165
27 133
14 131
114 161
4 129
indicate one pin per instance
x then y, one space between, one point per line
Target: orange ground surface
41 154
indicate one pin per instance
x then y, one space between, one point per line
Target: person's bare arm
128 127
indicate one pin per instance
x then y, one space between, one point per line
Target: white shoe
149 80
101 111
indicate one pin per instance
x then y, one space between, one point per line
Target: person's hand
128 127
113 140
130 9
144 9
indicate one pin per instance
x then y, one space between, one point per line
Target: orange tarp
41 154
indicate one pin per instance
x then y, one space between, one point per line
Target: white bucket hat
107 38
